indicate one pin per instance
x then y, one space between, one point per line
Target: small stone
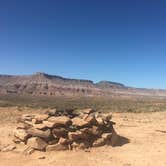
86 150
8 148
42 157
36 143
28 151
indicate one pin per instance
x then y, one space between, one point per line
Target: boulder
39 133
60 121
21 134
59 132
56 147
79 122
80 145
36 143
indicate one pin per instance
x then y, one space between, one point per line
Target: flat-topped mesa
65 131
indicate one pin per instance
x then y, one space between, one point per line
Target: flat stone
56 147
61 120
36 143
79 122
39 133
40 126
87 111
49 124
41 117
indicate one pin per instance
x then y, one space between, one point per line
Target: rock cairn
65 130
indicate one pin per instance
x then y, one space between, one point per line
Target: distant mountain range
41 84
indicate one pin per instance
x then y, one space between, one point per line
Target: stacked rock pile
65 130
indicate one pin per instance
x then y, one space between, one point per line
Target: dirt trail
146 146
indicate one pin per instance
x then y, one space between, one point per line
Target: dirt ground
143 144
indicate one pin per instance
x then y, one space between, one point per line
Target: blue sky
116 40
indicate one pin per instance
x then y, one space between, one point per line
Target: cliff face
49 85
44 84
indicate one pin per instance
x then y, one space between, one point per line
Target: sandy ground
144 144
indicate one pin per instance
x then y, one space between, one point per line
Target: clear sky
116 40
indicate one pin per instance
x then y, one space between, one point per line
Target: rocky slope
49 85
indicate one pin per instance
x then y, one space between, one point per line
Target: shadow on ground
122 141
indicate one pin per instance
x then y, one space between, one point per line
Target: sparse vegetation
112 104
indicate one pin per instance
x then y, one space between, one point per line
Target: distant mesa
42 84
